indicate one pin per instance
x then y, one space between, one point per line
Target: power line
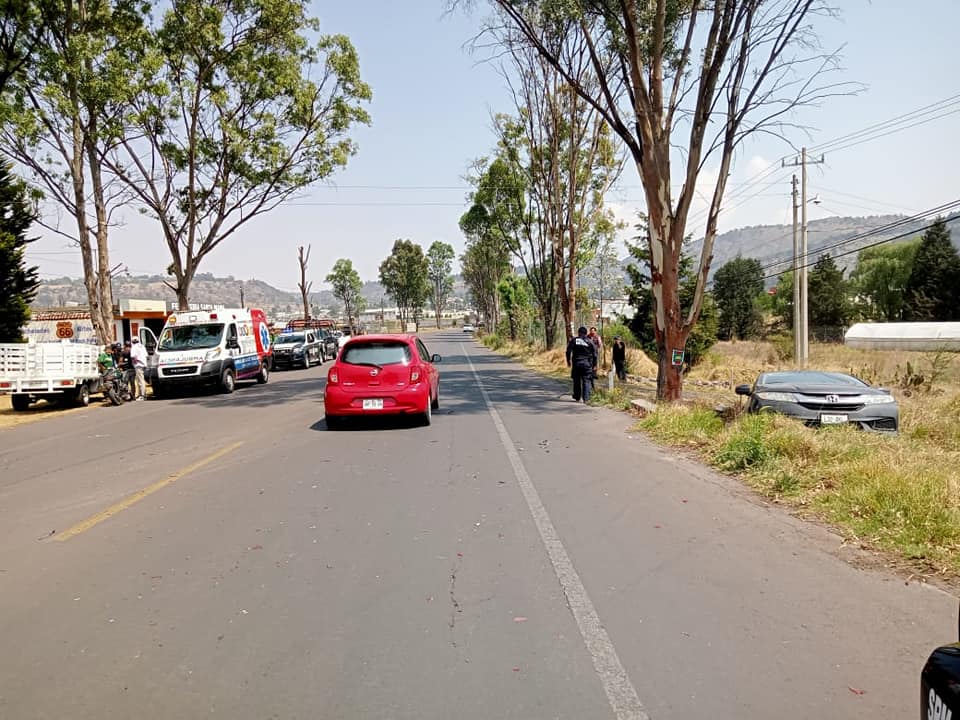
865 247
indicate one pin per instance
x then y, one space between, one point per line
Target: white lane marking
616 683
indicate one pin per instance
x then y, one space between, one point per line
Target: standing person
581 359
138 359
620 358
598 345
125 366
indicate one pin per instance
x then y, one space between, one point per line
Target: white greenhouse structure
924 336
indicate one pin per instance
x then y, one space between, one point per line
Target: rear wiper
367 364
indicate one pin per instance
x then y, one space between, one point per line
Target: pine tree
736 286
829 302
18 283
933 289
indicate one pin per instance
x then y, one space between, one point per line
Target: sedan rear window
810 378
376 353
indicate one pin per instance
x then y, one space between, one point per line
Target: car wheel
82 396
228 381
264 376
436 400
427 417
306 361
20 402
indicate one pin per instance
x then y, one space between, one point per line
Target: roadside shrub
680 425
745 445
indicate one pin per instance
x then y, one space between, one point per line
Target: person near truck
108 357
597 341
138 359
581 359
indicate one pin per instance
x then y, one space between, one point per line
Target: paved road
523 557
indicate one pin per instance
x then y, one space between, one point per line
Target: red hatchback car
382 375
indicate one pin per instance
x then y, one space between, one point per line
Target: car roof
380 337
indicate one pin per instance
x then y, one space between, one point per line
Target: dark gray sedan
823 398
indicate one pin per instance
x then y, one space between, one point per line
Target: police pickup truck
298 348
940 683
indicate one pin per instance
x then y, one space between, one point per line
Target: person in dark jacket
620 358
581 359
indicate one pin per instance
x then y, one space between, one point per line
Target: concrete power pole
804 307
797 345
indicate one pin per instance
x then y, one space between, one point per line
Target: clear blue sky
431 116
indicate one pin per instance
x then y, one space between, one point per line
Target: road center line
146 492
620 692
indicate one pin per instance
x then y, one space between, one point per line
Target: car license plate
373 404
833 419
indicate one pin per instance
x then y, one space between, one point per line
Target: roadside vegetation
896 494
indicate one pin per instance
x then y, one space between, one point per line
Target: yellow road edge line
136 497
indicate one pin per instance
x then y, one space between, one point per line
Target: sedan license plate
373 404
833 419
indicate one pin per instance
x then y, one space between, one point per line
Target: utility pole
804 306
797 345
241 296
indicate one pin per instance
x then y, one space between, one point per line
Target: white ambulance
216 348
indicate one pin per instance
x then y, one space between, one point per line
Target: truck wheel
82 395
264 375
228 381
20 402
306 360
159 390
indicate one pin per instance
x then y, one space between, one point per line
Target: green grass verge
899 494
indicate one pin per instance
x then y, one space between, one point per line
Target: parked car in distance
329 344
468 328
343 337
940 683
297 349
382 375
823 398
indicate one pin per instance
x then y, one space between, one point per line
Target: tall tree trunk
102 280
184 280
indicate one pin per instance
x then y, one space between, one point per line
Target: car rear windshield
810 378
289 338
376 353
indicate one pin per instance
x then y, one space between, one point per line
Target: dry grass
9 418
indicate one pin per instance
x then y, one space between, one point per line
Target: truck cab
217 348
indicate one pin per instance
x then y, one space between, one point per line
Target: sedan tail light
333 378
414 375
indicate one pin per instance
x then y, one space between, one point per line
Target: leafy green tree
879 281
701 77
62 111
515 303
405 277
782 301
440 265
347 285
23 24
829 299
240 110
18 283
736 287
484 263
933 288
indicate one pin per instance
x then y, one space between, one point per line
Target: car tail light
66 383
6 385
414 375
333 378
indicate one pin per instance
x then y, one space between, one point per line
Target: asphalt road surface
523 557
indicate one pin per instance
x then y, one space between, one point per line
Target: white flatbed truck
57 371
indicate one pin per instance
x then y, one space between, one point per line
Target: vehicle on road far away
298 349
823 398
382 375
468 328
940 684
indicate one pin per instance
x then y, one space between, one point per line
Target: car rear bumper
409 400
874 418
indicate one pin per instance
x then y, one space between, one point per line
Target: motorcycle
115 386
